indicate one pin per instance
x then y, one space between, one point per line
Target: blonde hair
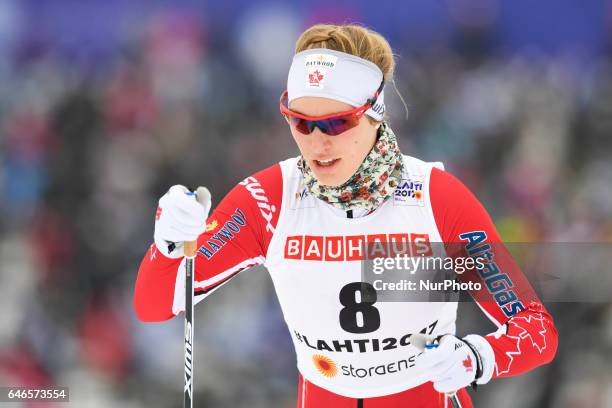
351 39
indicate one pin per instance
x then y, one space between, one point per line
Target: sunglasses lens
335 126
331 127
303 126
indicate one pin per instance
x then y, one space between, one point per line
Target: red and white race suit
348 347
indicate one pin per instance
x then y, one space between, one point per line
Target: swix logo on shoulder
356 247
266 209
409 192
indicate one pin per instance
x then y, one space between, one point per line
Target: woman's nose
319 141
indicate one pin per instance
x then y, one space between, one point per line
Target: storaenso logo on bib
382 369
327 367
409 192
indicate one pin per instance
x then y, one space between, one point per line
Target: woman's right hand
181 216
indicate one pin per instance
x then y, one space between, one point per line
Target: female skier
307 219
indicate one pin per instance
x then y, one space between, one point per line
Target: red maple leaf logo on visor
467 363
316 77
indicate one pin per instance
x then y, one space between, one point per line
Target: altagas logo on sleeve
266 209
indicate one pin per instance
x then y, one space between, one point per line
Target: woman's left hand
457 363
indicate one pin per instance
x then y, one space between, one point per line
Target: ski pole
190 253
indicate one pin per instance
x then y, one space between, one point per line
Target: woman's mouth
326 163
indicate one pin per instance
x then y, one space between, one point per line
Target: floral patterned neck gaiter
373 182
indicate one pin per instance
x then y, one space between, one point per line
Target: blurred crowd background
105 104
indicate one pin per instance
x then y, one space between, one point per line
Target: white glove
181 216
455 363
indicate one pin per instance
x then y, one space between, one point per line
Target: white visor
336 75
